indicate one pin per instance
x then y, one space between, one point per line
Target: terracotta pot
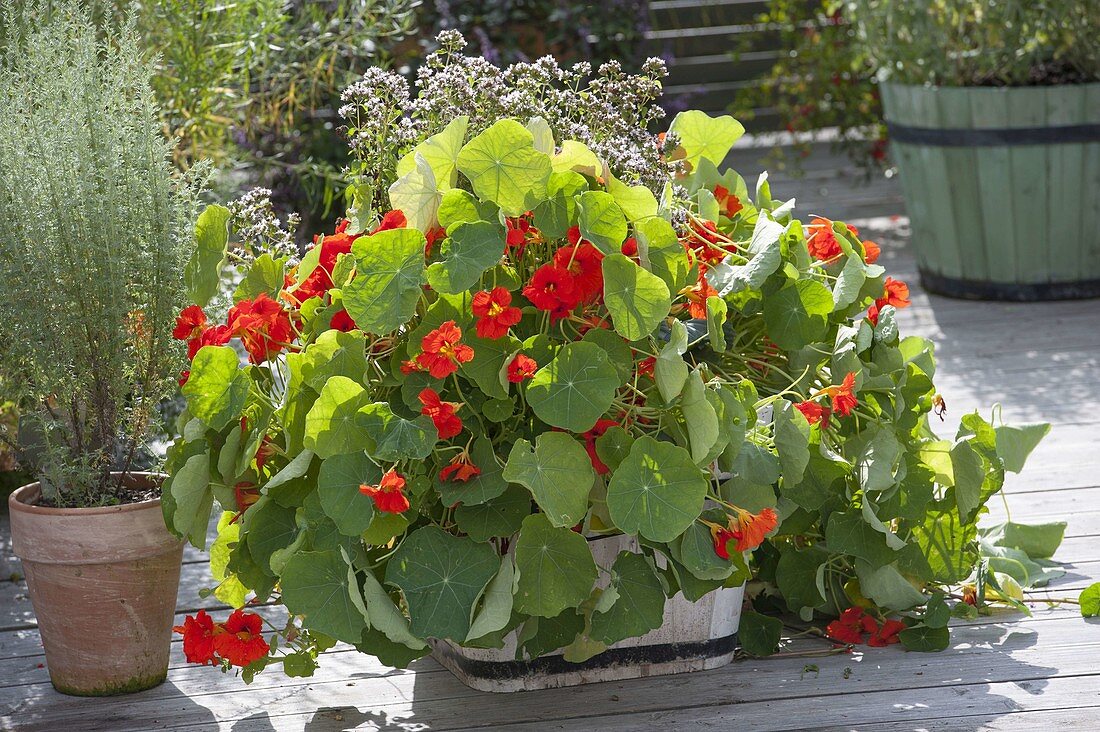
103 584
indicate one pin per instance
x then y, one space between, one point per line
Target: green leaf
385 616
217 389
496 606
1015 443
558 473
470 249
759 634
192 497
923 638
637 300
384 527
698 556
887 587
556 569
269 528
338 489
700 418
797 314
397 438
440 152
442 577
318 586
460 207
575 389
417 195
849 282
601 221
848 533
333 425
500 516
491 356
576 156
613 446
202 274
264 276
797 575
488 484
334 354
640 603
556 214
230 590
636 202
617 349
705 137
792 442
504 167
716 319
389 273
670 371
657 491
661 252
1038 541
947 543
1090 601
969 472
765 256
880 460
296 468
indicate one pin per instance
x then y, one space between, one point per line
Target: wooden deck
1003 672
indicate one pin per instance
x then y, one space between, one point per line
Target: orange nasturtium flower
388 495
443 351
814 412
747 529
239 639
521 368
822 241
697 295
461 468
842 395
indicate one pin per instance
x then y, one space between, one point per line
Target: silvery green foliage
95 230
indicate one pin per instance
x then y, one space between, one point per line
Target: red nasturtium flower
198 638
647 366
703 242
584 263
842 395
245 493
886 634
190 323
721 536
848 628
460 468
443 351
240 640
814 412
729 203
342 322
521 368
552 289
630 247
184 376
746 529
262 325
394 219
822 241
442 413
697 295
495 313
388 495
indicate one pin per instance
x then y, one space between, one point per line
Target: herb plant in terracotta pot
553 386
95 227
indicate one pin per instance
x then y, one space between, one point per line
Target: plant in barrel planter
535 402
95 228
993 111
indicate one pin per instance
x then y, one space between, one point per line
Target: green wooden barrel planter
1002 186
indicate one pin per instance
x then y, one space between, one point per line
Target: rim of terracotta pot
24 497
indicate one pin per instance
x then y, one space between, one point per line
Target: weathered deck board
1002 672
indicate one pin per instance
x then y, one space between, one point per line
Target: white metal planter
695 636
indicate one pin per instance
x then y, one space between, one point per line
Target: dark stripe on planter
993 136
638 655
1008 291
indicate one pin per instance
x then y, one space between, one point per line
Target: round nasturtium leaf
558 472
500 516
575 389
471 248
640 605
797 314
442 577
333 425
320 586
388 276
338 488
334 354
504 167
601 221
556 568
637 300
657 491
217 389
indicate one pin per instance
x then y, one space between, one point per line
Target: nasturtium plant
442 410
